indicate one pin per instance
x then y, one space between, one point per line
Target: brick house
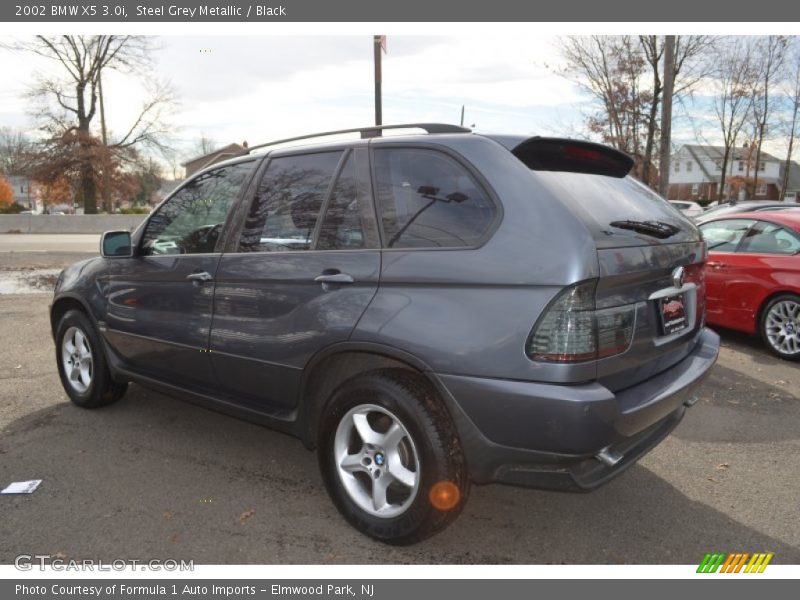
696 171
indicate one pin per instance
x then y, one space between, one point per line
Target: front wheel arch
62 306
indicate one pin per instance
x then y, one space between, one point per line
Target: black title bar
143 11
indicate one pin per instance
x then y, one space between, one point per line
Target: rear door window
349 221
284 212
428 200
724 236
768 238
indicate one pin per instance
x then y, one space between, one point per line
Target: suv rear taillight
572 330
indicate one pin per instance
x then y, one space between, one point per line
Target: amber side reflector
444 495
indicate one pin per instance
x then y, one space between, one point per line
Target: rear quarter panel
469 311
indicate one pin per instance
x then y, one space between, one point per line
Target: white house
696 172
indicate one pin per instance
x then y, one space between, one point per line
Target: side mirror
116 244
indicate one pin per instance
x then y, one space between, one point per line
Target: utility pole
376 43
106 175
666 115
462 115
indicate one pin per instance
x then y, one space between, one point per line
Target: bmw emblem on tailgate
678 277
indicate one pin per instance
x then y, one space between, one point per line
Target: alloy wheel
377 461
77 360
782 327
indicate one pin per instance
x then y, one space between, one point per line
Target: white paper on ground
22 487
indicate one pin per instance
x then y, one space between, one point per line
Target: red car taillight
572 330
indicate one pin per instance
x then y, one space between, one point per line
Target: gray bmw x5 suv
427 311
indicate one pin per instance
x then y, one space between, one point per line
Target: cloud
258 88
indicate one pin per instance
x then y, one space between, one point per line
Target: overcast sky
258 88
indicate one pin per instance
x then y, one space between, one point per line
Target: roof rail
366 132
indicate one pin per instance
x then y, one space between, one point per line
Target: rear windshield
601 201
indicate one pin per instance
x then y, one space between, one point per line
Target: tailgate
643 276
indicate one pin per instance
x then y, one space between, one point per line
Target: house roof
203 158
718 152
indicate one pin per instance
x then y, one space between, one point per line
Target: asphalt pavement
152 477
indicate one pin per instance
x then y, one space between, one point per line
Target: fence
68 223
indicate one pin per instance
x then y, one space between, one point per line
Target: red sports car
753 276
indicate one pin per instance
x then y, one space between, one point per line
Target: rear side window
768 238
724 236
289 198
428 200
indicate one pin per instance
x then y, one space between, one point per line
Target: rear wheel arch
329 372
783 339
765 302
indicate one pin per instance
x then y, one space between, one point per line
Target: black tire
415 404
101 390
795 325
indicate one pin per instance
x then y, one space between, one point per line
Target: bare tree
688 67
624 75
15 152
609 69
733 81
65 106
793 97
769 54
666 115
204 145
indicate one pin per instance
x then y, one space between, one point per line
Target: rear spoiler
576 156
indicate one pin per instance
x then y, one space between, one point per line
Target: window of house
695 189
761 166
688 165
677 167
761 190
428 200
190 222
741 165
284 212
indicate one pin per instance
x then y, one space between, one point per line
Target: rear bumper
549 436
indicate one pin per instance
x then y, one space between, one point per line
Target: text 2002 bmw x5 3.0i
426 310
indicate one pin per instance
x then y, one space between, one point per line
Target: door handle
199 278
716 265
334 278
